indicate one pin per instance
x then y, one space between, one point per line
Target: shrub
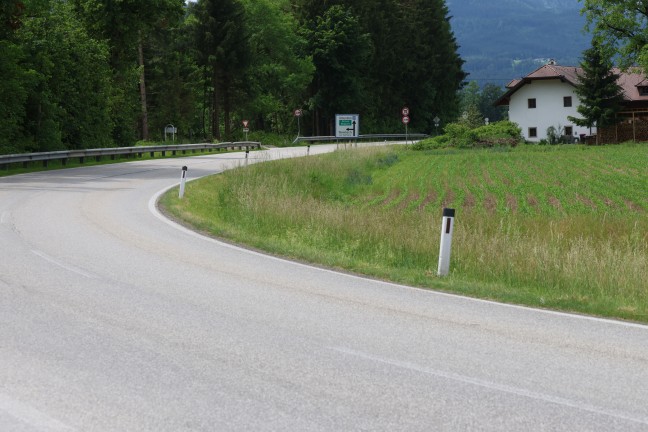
269 138
459 135
434 143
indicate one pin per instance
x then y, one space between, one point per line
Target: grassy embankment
557 227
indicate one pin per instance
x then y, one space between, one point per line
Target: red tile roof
552 71
630 81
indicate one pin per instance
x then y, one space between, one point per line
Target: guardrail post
183 180
447 227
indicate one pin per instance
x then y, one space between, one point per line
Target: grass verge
556 227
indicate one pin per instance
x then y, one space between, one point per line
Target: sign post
347 125
298 113
170 129
405 112
245 128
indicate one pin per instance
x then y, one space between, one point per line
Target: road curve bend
113 318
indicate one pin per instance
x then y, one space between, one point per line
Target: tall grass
377 211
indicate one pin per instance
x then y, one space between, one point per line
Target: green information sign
347 125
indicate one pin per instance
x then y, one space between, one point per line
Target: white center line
63 265
495 386
31 416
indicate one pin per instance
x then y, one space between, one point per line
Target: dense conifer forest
96 73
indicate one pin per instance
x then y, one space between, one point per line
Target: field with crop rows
555 182
564 227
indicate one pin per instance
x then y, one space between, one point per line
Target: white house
546 97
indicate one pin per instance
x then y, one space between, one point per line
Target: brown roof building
535 104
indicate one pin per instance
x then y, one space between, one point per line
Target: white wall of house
549 108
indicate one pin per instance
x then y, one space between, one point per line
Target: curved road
115 319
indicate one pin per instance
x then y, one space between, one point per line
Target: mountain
505 39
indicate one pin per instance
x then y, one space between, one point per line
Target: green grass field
562 227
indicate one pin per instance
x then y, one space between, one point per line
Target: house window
533 132
569 130
532 103
643 91
567 101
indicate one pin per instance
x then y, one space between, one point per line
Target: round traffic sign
298 113
406 119
405 111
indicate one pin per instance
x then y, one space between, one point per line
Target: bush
459 135
434 143
269 138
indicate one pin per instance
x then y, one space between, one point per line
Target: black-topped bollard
447 227
183 180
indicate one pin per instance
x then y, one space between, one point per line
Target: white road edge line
31 416
63 266
494 386
152 205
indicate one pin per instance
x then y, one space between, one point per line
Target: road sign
347 125
406 119
246 123
405 111
298 113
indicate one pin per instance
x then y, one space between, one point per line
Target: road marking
152 205
63 265
31 416
494 386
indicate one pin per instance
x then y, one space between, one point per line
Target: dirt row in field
490 202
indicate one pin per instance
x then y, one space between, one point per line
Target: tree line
102 73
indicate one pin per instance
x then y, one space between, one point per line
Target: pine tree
599 92
222 44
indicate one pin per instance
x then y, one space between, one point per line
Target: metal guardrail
65 155
382 137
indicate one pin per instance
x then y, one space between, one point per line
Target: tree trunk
142 85
226 110
215 120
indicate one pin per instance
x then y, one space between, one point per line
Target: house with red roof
546 97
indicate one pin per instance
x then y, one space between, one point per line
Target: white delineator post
447 227
183 180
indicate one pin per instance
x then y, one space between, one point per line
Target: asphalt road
115 319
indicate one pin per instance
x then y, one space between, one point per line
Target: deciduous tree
622 24
279 70
340 52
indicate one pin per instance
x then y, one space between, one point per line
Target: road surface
113 318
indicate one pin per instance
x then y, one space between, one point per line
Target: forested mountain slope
504 39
